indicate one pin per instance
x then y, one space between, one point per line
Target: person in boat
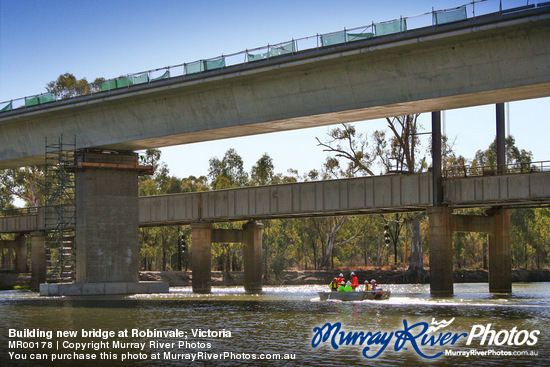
334 285
354 281
342 286
348 287
367 285
341 278
373 284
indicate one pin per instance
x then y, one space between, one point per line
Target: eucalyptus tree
227 172
398 151
68 86
25 184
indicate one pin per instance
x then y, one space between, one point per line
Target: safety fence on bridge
432 18
18 212
494 170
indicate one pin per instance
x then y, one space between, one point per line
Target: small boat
377 294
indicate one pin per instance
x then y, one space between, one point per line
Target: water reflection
281 320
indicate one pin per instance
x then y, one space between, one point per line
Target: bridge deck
504 57
378 194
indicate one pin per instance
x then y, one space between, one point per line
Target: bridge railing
508 169
18 212
432 18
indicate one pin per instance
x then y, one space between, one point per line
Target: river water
282 322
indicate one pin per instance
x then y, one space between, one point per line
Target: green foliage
514 155
26 184
228 172
263 171
68 86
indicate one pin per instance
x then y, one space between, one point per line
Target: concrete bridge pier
496 223
19 245
441 251
201 257
500 252
253 256
21 254
107 227
202 238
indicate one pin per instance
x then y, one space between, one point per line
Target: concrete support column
441 255
21 254
38 259
500 253
201 257
107 227
253 256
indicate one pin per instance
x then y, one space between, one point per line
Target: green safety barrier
7 107
287 48
214 64
166 75
140 79
194 67
395 26
256 57
450 16
333 38
359 36
108 85
31 101
45 98
123 82
343 37
204 65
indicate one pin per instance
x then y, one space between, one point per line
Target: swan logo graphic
437 325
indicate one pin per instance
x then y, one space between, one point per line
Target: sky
42 39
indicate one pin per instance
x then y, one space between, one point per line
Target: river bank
312 277
303 277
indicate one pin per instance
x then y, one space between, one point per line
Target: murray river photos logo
419 336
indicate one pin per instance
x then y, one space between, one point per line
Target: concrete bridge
490 59
479 61
363 195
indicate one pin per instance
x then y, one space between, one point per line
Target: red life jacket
354 282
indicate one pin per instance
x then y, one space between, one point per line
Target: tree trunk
328 251
226 262
415 272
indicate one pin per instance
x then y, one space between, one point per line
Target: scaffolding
59 211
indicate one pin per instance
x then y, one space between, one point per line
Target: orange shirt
354 282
